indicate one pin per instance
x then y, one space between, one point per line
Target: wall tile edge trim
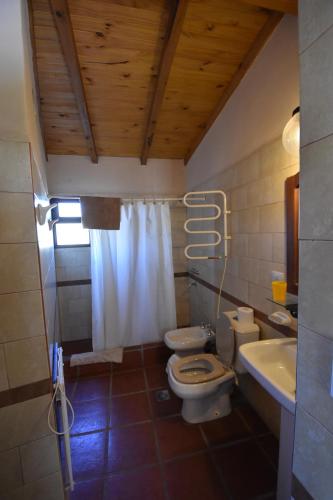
88 281
25 392
285 330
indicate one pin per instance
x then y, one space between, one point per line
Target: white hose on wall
59 390
189 201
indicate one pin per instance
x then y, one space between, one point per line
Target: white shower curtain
133 294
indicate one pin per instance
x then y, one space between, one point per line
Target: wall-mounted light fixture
291 134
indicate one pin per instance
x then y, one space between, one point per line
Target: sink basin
273 364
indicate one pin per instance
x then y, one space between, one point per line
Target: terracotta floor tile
142 484
127 382
88 389
70 387
88 453
131 447
156 355
193 478
95 370
253 420
88 490
246 470
225 429
156 376
270 445
165 408
70 373
131 360
90 416
176 437
237 398
129 409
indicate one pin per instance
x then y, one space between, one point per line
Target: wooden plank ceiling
153 73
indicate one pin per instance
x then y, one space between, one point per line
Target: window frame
65 220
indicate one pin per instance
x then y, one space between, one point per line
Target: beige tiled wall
24 258
255 190
46 260
75 301
75 312
21 328
314 430
178 216
29 458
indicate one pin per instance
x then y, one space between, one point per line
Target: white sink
273 364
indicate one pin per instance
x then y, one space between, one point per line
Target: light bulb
291 134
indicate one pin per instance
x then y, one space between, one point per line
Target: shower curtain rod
158 199
134 198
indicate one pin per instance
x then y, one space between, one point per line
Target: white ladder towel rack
218 212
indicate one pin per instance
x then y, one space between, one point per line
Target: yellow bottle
279 291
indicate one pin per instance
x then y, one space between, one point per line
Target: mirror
292 215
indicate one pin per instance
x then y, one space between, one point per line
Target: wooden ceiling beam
259 42
284 6
62 20
175 23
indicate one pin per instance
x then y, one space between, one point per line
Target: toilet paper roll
245 315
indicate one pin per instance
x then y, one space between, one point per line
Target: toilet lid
197 368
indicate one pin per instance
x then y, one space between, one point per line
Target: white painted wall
12 85
258 109
76 175
18 110
33 126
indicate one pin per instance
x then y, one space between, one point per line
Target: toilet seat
197 369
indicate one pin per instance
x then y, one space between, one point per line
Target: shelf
290 300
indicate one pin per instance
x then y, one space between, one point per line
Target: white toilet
204 381
186 341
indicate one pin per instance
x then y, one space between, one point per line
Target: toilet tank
230 335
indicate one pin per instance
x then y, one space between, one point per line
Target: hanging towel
100 213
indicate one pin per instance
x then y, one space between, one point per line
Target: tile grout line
157 444
107 431
109 428
211 456
267 455
116 473
323 33
154 419
244 420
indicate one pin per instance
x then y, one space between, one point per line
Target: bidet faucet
208 327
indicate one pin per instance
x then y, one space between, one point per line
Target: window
68 231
